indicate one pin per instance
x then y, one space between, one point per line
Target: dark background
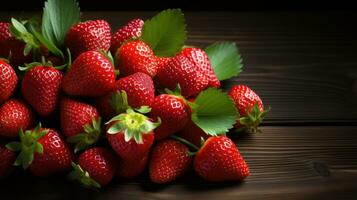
192 5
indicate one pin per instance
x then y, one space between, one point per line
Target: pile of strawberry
154 105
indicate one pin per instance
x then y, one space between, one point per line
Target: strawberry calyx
119 101
83 177
133 124
253 118
91 135
177 94
28 145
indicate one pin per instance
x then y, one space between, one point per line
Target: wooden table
304 66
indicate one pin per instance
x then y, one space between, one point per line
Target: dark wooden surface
304 65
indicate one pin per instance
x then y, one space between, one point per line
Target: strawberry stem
185 142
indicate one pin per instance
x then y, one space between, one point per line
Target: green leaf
215 113
18 26
58 17
225 59
165 33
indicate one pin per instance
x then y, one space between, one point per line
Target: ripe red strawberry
131 134
162 62
80 122
193 133
15 115
88 36
191 70
174 113
132 168
41 88
219 160
139 89
96 167
91 74
7 161
130 30
136 56
168 161
8 81
43 151
249 105
12 48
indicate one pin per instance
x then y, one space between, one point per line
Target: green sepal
119 101
108 55
90 136
253 118
83 177
20 32
143 109
13 146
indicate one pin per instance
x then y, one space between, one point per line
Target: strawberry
91 74
80 122
133 167
7 161
174 113
249 105
139 91
130 30
191 70
12 48
220 160
192 133
131 134
43 151
136 56
15 115
168 161
8 81
88 36
162 62
41 88
96 167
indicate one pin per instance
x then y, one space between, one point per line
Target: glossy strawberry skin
7 161
56 157
136 56
131 30
41 88
90 75
244 99
192 133
100 163
8 81
173 112
88 36
133 167
219 160
169 160
130 150
15 114
74 115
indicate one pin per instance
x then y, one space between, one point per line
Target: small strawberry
168 161
132 168
136 56
250 107
41 88
43 151
139 91
80 122
219 160
192 133
96 167
131 134
7 161
91 74
88 36
15 115
8 81
130 30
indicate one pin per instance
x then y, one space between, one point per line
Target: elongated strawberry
131 30
91 74
133 167
139 91
7 161
131 134
169 160
88 36
43 151
80 122
250 107
15 115
192 133
136 56
8 81
219 160
96 167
